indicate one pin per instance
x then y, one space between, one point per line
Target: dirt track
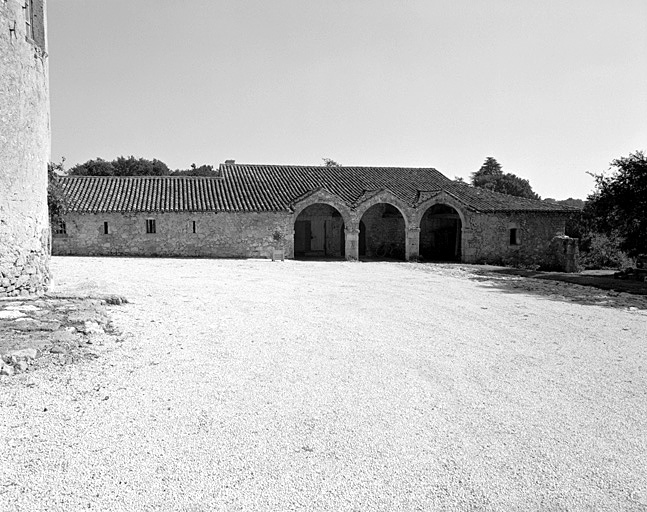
251 385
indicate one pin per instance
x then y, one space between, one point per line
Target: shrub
598 250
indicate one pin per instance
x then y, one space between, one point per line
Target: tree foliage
329 162
618 206
56 201
132 166
491 177
203 170
121 166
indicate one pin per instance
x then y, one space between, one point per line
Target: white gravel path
252 385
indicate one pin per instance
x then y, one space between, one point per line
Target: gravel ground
252 385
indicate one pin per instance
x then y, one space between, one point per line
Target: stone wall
24 150
484 238
487 238
217 235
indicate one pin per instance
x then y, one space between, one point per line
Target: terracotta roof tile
247 188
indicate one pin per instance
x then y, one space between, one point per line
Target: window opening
150 226
106 231
59 228
194 226
29 18
514 240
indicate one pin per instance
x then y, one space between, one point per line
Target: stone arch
384 221
442 228
330 236
319 232
385 196
324 197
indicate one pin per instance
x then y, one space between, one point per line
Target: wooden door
318 235
302 237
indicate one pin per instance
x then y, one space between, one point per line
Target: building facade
24 148
345 212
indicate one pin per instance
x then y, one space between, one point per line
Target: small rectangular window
194 226
150 225
106 231
59 228
514 239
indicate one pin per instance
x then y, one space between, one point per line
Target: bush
599 251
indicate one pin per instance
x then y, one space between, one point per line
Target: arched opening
382 233
440 234
319 233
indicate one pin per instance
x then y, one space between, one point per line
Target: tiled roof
253 188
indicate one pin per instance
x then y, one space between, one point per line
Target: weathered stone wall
218 235
24 151
486 237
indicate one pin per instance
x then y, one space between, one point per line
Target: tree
132 166
329 162
56 201
203 170
97 167
618 206
121 166
491 177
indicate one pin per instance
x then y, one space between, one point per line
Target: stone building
325 212
24 148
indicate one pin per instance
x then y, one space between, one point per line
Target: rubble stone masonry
219 235
24 149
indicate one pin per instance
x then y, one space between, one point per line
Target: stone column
289 249
413 244
352 244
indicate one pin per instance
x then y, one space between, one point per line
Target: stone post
413 244
352 244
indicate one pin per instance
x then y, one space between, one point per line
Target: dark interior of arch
319 233
440 234
382 233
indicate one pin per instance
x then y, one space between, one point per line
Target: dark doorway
319 233
440 234
382 233
302 237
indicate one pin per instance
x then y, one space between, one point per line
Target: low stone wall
217 235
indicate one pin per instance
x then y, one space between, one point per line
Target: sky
551 89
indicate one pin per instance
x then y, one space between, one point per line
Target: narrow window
106 231
150 225
514 240
194 227
29 18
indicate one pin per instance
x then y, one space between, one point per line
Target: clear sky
550 88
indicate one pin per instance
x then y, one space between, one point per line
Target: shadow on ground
587 288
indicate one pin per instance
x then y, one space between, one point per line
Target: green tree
618 205
491 177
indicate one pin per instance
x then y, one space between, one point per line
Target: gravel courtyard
251 385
